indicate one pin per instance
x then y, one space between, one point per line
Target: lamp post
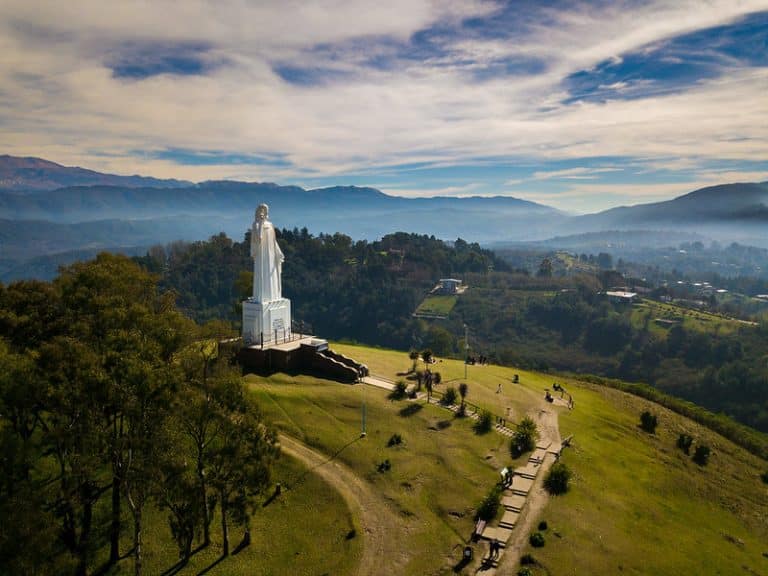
466 350
362 432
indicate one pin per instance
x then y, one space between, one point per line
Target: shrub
490 505
400 390
684 442
484 423
557 479
543 526
537 540
394 440
524 439
524 572
701 455
449 397
463 390
764 477
527 560
648 422
384 466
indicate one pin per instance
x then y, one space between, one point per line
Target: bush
484 423
384 466
524 439
701 455
400 390
524 572
684 442
394 440
764 476
490 505
543 526
648 422
527 560
537 540
557 479
449 398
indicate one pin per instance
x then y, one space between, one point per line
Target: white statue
267 258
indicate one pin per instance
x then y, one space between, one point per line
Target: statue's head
262 212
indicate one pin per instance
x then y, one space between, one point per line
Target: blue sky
582 106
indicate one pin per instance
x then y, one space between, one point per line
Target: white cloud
59 100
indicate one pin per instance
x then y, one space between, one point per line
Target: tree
414 356
684 442
557 479
463 389
240 464
701 455
649 422
449 398
545 268
524 438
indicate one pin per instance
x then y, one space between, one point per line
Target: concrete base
266 322
306 355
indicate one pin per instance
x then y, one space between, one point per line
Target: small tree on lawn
428 386
701 455
426 355
449 398
524 439
484 423
463 389
684 442
648 422
557 479
414 356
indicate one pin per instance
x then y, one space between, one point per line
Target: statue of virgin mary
267 258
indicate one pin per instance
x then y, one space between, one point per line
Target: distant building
621 297
450 286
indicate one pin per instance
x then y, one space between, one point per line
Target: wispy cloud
313 92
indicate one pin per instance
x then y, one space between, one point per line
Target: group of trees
366 291
340 288
111 401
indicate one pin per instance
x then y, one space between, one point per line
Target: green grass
694 320
438 305
304 531
439 475
637 504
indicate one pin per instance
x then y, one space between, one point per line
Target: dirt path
546 419
383 536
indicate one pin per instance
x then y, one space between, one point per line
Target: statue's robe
267 262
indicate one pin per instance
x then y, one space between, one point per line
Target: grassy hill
638 505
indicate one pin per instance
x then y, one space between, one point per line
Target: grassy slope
440 305
438 476
694 320
281 541
638 505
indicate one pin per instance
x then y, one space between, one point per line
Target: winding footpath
549 431
383 537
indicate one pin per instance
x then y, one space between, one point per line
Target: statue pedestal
266 323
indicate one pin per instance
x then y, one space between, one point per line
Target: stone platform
303 355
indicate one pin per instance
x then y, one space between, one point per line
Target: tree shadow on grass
410 410
211 566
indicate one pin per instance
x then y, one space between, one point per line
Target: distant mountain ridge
36 174
724 202
40 217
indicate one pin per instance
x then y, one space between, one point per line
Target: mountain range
47 209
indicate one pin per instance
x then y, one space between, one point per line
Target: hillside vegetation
637 504
367 292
